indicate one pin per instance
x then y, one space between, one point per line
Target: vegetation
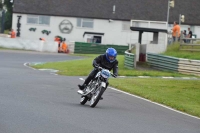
6 31
8 15
173 50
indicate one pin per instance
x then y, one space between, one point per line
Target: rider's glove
96 65
115 75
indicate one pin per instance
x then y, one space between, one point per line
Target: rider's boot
82 87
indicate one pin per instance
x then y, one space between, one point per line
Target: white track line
144 76
122 76
185 78
168 77
154 103
26 65
82 79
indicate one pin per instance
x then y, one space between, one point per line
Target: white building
80 29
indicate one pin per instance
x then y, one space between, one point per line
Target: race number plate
103 84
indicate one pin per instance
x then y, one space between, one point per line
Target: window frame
84 20
38 17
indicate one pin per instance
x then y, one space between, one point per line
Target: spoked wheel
83 100
96 97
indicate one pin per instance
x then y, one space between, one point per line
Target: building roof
154 10
141 29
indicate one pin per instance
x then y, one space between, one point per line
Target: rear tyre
96 97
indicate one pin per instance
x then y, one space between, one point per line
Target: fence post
181 37
176 36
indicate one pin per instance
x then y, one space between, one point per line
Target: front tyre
96 97
83 100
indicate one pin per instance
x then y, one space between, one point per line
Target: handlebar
100 68
113 75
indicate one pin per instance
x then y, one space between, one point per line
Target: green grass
84 66
2 48
198 42
173 50
179 94
6 31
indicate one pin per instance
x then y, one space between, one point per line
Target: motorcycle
95 89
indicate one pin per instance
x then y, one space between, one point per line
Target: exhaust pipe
80 92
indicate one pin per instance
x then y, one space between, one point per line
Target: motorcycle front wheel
83 100
96 97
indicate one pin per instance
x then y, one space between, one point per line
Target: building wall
197 31
113 31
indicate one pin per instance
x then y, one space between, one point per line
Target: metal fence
162 62
168 63
92 48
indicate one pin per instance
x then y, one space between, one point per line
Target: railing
168 63
190 44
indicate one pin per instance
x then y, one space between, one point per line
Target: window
32 20
85 23
42 20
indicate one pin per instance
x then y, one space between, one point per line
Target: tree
1 5
8 18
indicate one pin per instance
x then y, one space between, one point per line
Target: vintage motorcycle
95 89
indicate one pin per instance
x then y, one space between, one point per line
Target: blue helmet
111 54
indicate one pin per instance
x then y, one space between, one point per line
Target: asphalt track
33 101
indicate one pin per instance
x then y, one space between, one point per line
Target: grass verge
3 48
179 94
84 66
173 50
6 31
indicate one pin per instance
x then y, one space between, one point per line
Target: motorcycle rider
107 61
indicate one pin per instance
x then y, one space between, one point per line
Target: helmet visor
111 58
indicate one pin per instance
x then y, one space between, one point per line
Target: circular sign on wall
66 26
